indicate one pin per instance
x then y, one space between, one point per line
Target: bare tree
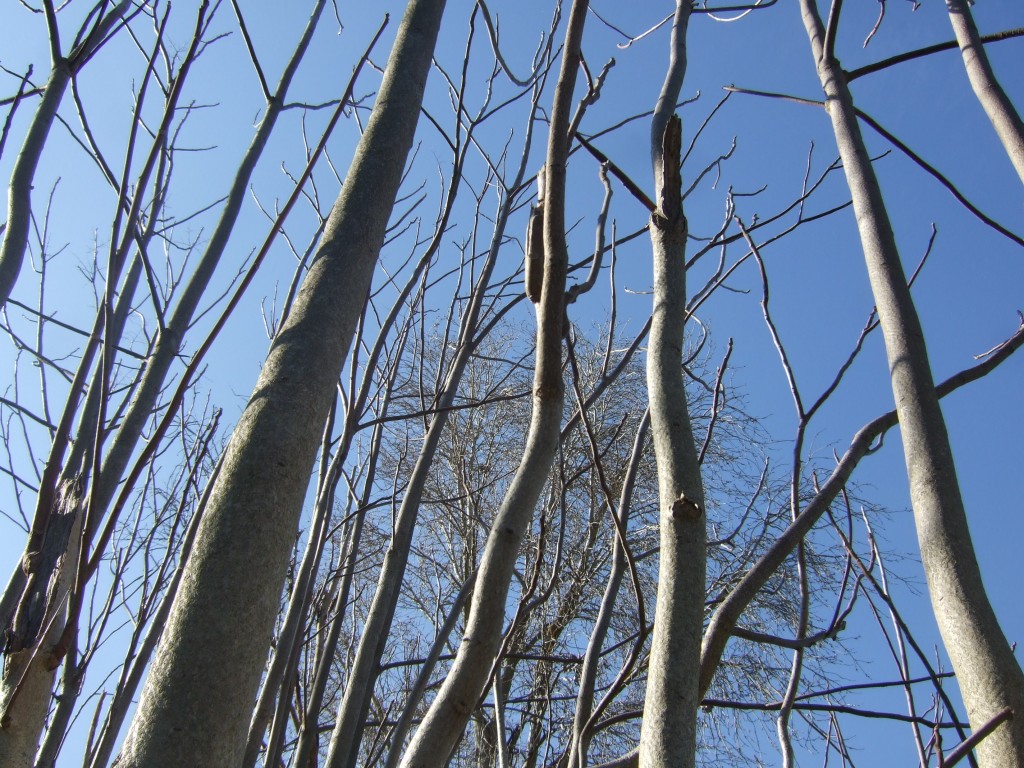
669 731
257 496
993 99
990 677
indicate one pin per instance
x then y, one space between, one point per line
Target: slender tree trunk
1005 119
989 676
668 735
445 720
196 704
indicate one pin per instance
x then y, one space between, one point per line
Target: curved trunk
989 676
445 720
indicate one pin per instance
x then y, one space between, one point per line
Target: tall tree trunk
445 720
196 704
1008 124
668 735
990 678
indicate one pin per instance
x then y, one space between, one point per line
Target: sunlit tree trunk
991 95
196 705
990 678
668 735
445 720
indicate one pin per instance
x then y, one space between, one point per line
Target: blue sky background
968 294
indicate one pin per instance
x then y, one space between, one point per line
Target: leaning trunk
220 628
445 720
992 97
990 678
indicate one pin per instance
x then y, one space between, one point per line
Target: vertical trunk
445 720
196 704
668 735
991 95
990 678
34 629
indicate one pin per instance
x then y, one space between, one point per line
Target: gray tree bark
668 735
446 718
989 676
993 99
196 704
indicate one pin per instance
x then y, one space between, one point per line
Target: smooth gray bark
446 718
196 705
289 639
989 676
993 99
668 734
